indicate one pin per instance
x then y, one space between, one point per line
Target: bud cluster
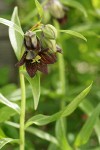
46 39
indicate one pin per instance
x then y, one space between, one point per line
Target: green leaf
75 4
43 135
35 85
39 133
39 8
13 124
74 33
6 113
88 108
61 136
16 38
2 134
85 133
6 102
53 147
11 25
88 29
73 105
5 141
43 119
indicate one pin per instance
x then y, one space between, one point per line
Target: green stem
22 114
62 82
62 73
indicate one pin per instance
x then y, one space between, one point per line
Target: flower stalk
22 113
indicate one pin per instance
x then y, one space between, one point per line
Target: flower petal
58 49
22 60
48 58
31 68
42 67
62 20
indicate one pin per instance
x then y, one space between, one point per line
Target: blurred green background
81 66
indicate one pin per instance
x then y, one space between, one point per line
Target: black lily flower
36 58
40 62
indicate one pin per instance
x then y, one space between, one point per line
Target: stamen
36 59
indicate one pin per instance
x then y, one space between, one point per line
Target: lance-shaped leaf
88 108
75 4
6 113
5 141
61 135
12 25
86 131
43 119
39 8
16 38
74 33
2 134
35 85
12 105
43 135
39 133
84 28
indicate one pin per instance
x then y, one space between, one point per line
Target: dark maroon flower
36 58
40 62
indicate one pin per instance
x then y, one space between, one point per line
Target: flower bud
30 40
30 55
49 31
51 44
56 9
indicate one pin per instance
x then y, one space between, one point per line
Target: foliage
58 118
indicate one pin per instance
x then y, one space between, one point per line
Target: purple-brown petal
31 68
58 49
62 20
48 58
42 67
22 60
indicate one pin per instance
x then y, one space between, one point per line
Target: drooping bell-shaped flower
36 56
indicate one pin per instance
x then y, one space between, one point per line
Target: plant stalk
22 113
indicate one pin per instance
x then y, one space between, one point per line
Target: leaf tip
90 86
16 8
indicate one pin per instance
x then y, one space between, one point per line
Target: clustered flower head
40 50
56 9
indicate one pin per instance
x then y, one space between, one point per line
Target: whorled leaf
43 119
53 147
16 38
43 135
74 33
35 85
11 25
39 8
2 134
39 133
87 107
86 27
12 105
5 141
75 4
85 132
6 113
61 135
